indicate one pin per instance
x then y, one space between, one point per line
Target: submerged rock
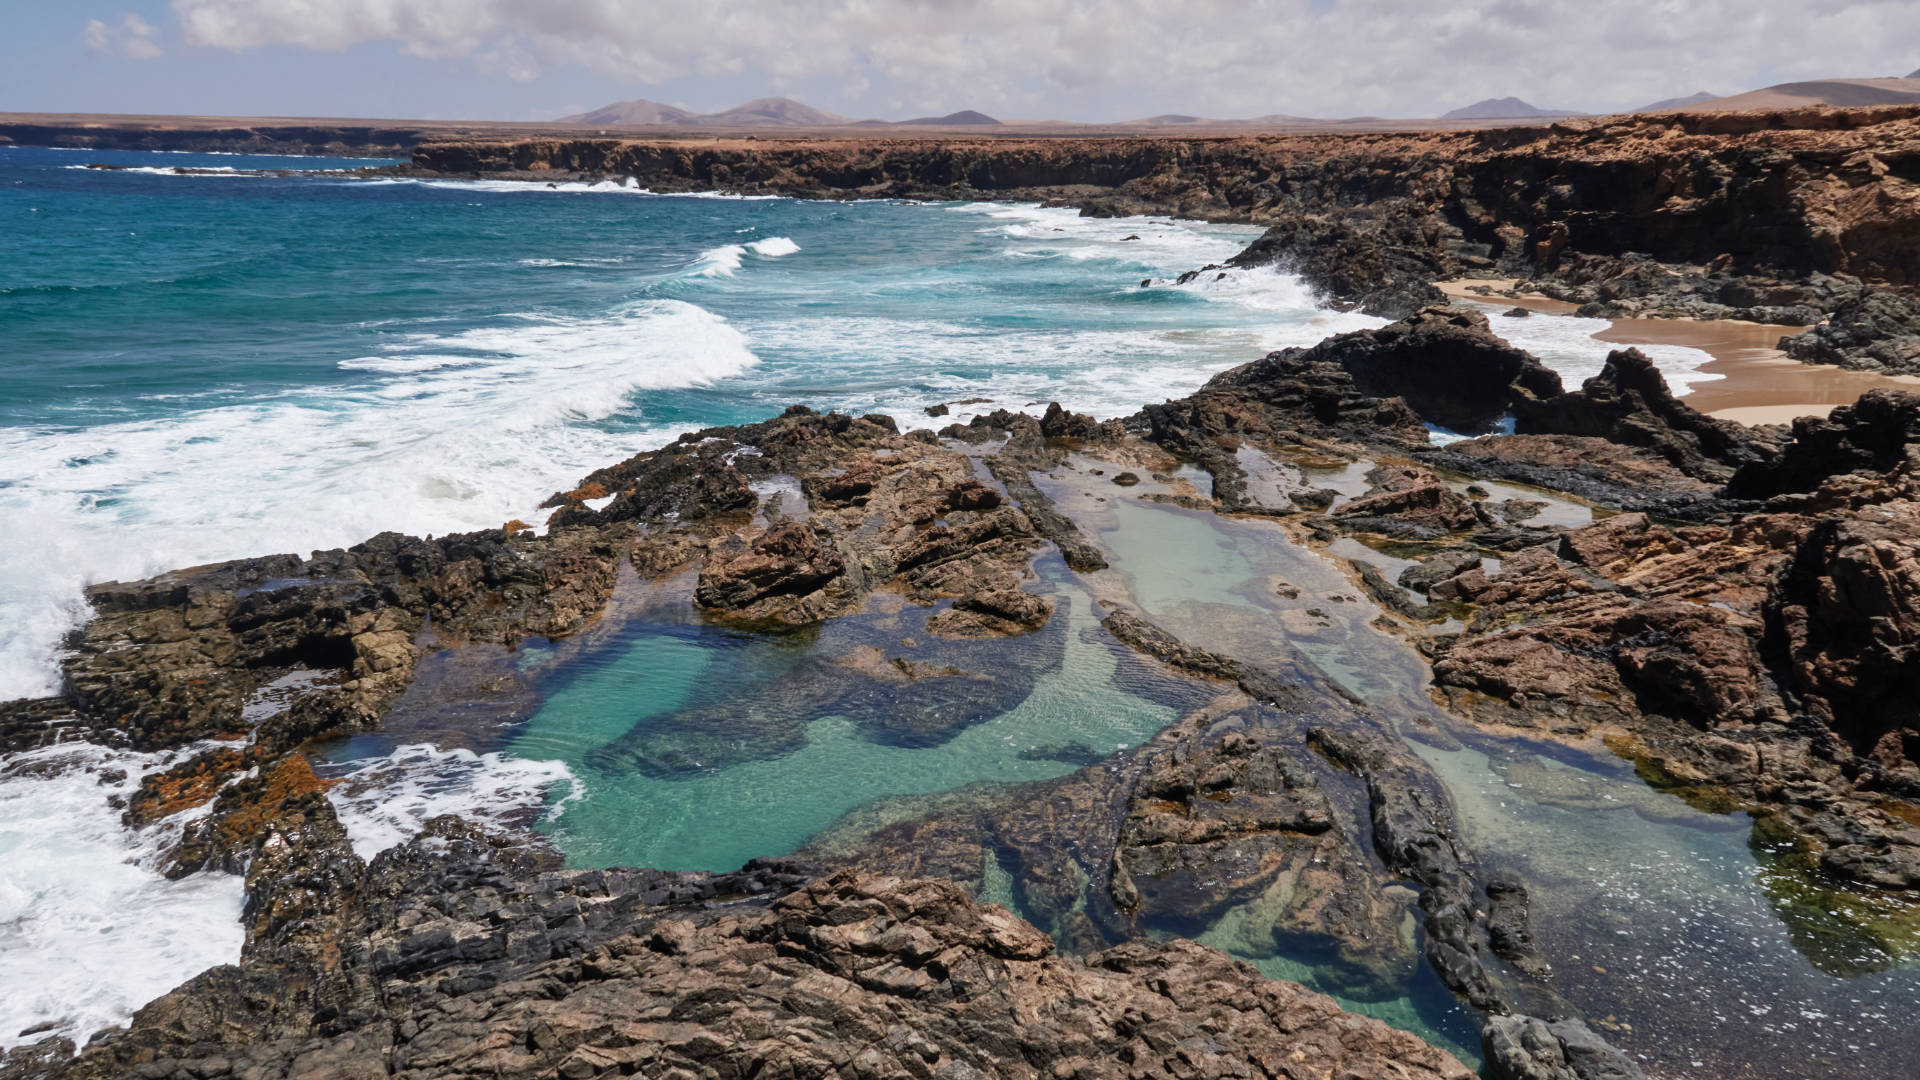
1529 1048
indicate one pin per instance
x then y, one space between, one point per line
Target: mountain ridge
760 112
1503 109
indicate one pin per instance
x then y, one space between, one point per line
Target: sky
892 59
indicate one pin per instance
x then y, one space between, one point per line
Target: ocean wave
773 247
722 261
179 170
90 930
1105 372
626 185
1143 245
453 431
384 801
576 263
726 260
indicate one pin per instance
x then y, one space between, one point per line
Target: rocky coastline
1738 630
1732 610
1797 217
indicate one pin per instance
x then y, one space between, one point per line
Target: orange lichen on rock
191 783
247 809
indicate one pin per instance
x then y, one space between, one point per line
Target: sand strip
1762 385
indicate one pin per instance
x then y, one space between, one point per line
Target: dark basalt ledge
459 956
1760 652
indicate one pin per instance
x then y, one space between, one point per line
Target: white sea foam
624 186
453 431
576 263
718 262
1058 232
726 260
1566 344
89 929
773 247
1103 372
384 801
177 170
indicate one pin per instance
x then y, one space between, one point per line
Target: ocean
208 365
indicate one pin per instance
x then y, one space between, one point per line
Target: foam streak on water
89 929
384 801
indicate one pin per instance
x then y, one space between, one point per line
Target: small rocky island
1598 575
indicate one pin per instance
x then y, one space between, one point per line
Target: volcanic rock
1628 403
1879 330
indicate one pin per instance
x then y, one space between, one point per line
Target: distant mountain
636 112
1666 104
1913 75
1847 92
1506 108
761 112
774 112
963 118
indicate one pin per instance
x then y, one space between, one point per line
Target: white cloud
132 38
1099 60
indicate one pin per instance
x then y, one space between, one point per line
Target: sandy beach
1761 384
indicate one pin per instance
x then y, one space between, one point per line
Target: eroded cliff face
1799 191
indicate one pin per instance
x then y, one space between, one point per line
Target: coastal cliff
1803 217
1796 191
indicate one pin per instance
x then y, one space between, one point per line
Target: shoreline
1760 384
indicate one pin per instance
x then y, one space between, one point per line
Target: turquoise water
204 367
786 763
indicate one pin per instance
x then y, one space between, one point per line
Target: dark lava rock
1628 403
456 956
1508 931
790 559
1058 423
1875 331
1874 434
1446 364
1382 262
1438 567
1410 496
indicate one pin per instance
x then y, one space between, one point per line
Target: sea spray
90 930
443 432
384 801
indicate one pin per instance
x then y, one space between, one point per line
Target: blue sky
1040 59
